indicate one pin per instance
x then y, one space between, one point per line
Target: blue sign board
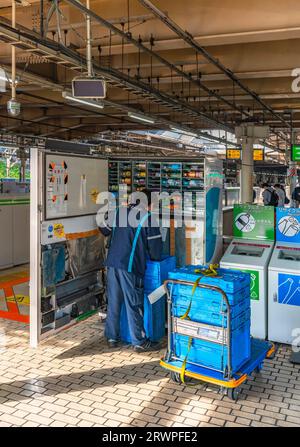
289 289
288 225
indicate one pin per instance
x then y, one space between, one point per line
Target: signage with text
295 152
233 154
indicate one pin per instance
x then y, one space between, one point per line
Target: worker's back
130 245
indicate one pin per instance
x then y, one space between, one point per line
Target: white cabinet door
6 232
21 234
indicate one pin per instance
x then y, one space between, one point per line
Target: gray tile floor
74 380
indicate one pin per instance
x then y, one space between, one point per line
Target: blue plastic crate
157 272
154 320
230 281
154 314
239 315
212 355
205 299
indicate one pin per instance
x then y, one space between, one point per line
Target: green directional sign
254 222
295 152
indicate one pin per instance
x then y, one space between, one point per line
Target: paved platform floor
74 380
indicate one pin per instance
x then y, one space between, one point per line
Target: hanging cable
128 92
128 18
65 68
139 59
182 87
122 64
110 37
99 52
151 59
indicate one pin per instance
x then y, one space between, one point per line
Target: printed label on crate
288 225
254 284
289 289
200 330
253 222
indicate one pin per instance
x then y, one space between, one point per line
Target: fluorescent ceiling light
82 101
184 132
143 118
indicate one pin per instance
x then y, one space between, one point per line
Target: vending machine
284 278
250 251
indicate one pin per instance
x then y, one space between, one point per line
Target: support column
247 135
247 169
292 179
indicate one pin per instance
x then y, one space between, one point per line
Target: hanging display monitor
295 156
233 154
88 88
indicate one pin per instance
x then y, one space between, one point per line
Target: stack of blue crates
208 307
154 314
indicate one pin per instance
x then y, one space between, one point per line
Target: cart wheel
258 369
233 393
175 377
272 356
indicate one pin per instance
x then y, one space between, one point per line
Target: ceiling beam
188 38
206 41
138 43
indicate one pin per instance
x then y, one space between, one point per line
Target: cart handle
201 286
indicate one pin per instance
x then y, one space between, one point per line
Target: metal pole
35 247
88 42
247 170
13 54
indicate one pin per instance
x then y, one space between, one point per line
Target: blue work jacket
130 247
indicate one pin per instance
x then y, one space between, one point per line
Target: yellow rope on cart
211 271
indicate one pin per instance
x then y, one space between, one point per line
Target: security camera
13 107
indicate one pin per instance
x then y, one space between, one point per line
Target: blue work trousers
125 288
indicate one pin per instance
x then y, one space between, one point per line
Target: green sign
295 152
254 222
254 285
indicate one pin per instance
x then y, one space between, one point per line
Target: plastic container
212 301
154 314
215 318
215 356
157 272
154 320
230 281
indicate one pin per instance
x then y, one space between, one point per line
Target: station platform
73 379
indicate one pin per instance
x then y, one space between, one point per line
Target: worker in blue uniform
129 248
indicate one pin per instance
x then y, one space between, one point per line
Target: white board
72 185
